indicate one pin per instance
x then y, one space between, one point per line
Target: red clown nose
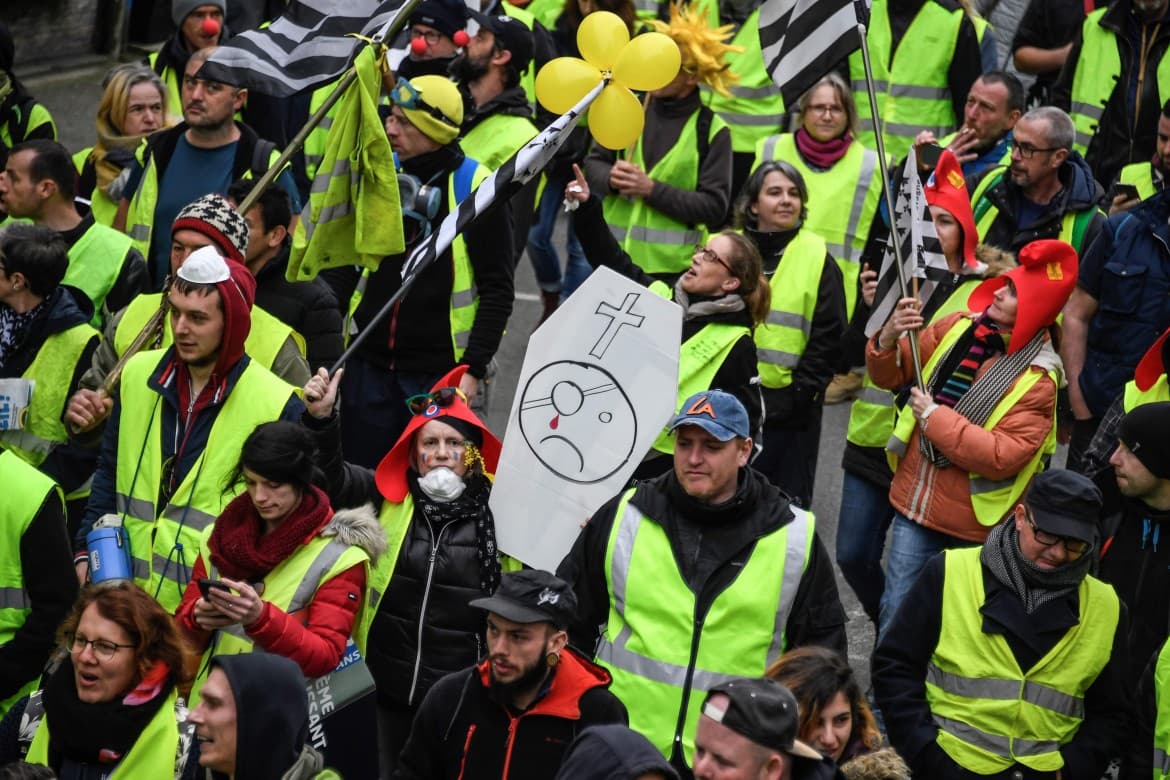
461 38
209 27
418 46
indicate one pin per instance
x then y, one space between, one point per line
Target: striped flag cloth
518 170
310 44
803 40
922 255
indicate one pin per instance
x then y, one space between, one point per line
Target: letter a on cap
702 406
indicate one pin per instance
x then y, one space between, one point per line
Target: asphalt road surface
73 97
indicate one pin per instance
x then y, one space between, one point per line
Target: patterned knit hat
215 218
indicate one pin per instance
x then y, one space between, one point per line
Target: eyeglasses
1075 547
102 648
404 95
430 36
827 108
440 398
706 255
1027 150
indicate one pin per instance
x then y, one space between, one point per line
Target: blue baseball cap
718 413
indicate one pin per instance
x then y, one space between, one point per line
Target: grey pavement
73 97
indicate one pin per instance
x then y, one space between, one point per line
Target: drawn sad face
577 421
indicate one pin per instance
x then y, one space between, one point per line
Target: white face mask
442 484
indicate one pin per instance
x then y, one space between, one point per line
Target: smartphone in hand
207 585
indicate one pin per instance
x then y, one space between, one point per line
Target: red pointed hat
1152 364
947 189
1044 279
390 475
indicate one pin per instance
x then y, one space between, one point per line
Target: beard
466 70
529 679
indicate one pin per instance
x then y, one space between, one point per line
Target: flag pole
522 167
887 193
390 29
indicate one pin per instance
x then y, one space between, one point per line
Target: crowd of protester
224 561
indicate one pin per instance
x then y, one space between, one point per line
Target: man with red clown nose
432 491
200 25
436 35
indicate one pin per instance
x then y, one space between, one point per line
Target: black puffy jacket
410 616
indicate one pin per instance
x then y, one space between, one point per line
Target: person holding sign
705 573
432 489
724 297
964 448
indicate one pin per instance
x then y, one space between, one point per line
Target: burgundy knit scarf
822 154
239 551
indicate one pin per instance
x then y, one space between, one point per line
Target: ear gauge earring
552 659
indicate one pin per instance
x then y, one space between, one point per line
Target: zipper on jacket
422 613
696 635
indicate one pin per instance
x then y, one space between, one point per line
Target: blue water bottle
109 550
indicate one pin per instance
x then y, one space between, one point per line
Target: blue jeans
861 534
911 546
373 409
546 264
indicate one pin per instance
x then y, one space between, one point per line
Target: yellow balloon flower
650 61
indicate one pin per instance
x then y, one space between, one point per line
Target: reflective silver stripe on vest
139 232
463 298
28 442
14 598
325 123
879 85
189 517
335 212
315 573
1162 760
768 153
1000 746
896 446
1084 139
777 358
922 93
657 235
984 485
616 654
869 161
786 319
754 93
875 396
141 568
135 507
753 120
340 168
171 570
1091 110
314 160
1007 690
236 630
796 543
903 129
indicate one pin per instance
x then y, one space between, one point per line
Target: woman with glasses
724 297
799 344
844 192
109 706
432 491
965 447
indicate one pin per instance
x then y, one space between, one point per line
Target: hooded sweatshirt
272 714
613 752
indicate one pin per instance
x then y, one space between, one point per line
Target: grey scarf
1033 585
728 303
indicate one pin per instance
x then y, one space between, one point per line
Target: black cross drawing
618 316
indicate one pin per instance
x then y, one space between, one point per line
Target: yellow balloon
564 81
650 61
601 36
615 118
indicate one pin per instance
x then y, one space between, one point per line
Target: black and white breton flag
922 255
310 44
803 40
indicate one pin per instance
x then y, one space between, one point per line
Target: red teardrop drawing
556 420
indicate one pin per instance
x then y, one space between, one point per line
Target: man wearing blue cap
699 576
